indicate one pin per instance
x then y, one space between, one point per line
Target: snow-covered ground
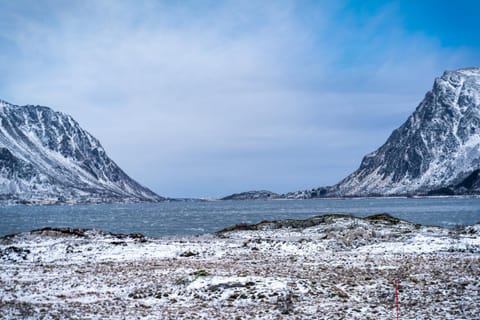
335 267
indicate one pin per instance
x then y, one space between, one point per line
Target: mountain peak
468 71
4 103
437 146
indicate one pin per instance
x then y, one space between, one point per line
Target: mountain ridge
435 151
46 157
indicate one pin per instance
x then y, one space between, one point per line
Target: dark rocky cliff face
45 156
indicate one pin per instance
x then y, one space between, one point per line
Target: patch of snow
343 268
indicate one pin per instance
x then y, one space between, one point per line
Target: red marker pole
396 296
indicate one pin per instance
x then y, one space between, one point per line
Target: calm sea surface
182 218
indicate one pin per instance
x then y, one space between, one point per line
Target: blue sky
207 98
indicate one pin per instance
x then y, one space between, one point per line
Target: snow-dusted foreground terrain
332 267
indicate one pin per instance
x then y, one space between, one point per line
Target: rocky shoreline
328 267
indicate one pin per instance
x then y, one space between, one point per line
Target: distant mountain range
435 152
46 157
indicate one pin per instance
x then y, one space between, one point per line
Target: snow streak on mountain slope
46 157
438 146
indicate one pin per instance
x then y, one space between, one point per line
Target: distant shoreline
67 203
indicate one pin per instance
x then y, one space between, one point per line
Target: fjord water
188 218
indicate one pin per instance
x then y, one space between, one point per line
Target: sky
208 98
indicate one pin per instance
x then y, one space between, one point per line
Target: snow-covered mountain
438 146
436 151
46 157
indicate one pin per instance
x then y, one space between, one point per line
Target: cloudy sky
207 98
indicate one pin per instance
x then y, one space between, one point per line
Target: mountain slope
438 146
46 157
